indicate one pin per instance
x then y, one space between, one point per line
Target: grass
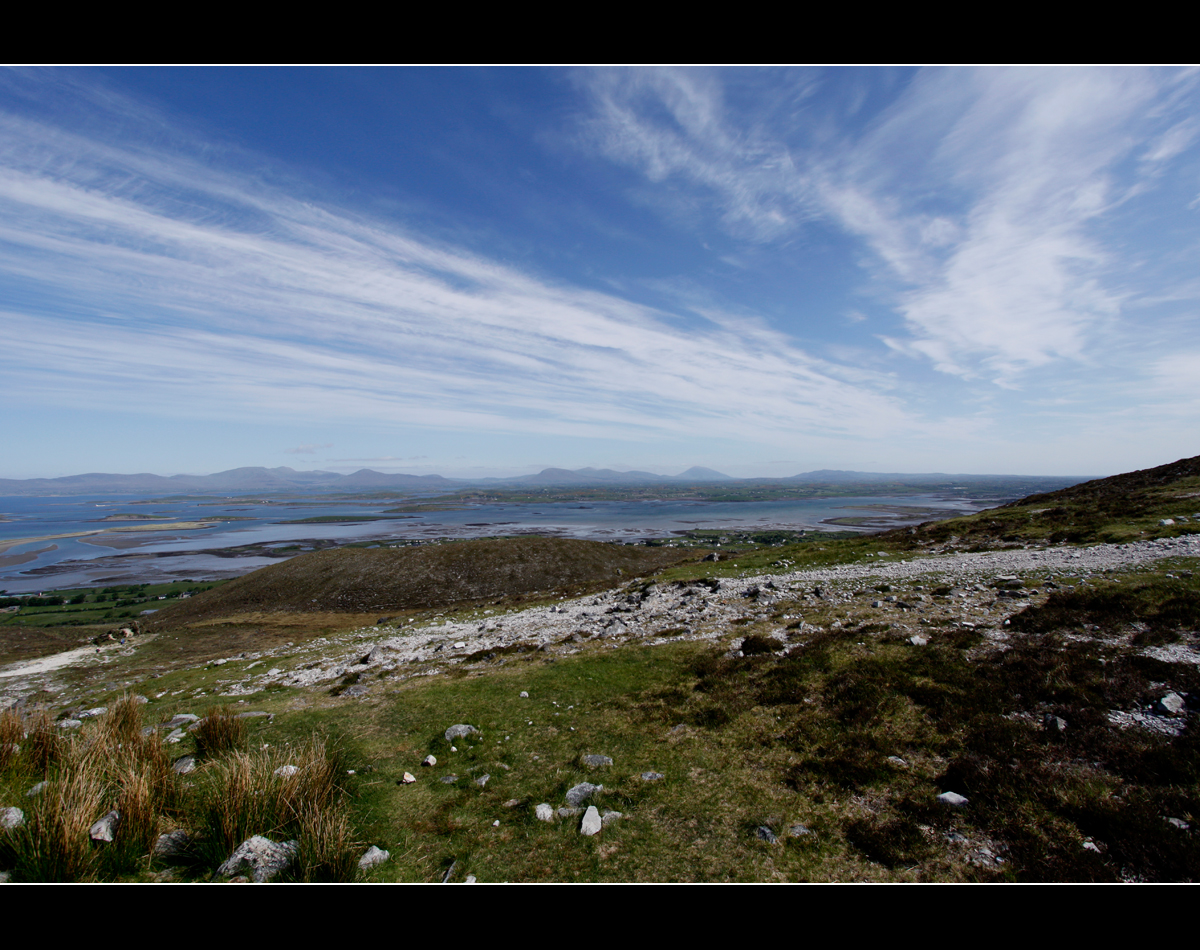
295 791
220 732
852 734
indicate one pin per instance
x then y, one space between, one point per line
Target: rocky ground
985 589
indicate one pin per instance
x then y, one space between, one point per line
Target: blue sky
490 271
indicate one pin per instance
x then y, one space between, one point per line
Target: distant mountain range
258 479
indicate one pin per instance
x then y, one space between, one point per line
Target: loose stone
374 855
105 827
263 857
591 823
578 794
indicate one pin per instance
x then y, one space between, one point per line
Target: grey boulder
578 794
262 857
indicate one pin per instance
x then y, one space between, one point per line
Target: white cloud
153 283
980 191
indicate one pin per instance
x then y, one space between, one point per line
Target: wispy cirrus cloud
982 193
144 279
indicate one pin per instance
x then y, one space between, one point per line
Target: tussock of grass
111 765
294 792
219 732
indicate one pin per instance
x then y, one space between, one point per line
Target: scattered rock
407 779
953 799
917 640
897 762
36 790
567 812
591 823
578 794
70 723
1178 823
1169 705
262 857
11 818
429 760
286 771
462 730
105 827
1090 845
482 780
93 713
1052 723
182 719
449 779
544 812
524 695
610 816
184 764
652 776
763 833
798 831
596 761
172 844
373 857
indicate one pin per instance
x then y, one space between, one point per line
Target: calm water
170 554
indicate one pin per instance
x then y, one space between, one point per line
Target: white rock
592 822
373 857
429 760
263 857
105 827
408 778
953 799
286 771
461 730
11 818
543 812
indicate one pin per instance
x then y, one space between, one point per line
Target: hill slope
357 580
1115 509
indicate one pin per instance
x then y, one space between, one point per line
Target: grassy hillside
800 729
1124 507
379 580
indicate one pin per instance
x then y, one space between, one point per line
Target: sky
479 272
